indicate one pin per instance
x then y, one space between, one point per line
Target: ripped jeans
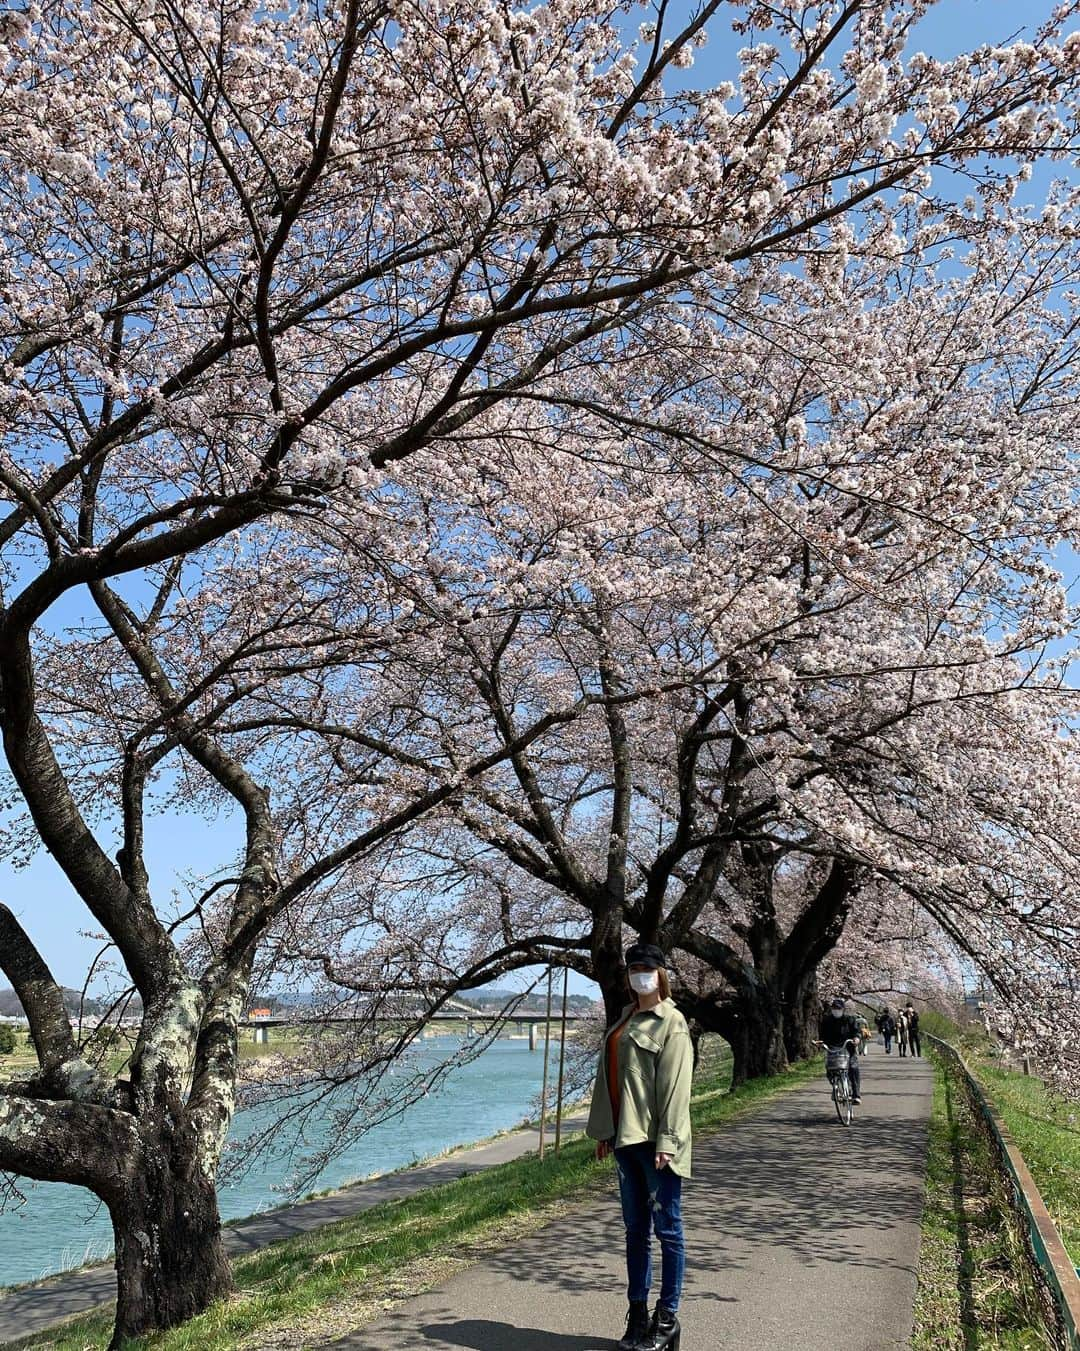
651 1201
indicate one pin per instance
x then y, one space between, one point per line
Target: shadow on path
483 1334
787 1214
790 1179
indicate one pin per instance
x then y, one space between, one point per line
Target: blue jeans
651 1201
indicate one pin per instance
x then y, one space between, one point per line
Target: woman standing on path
902 1032
912 1019
641 1112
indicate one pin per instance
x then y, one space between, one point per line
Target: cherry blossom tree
263 266
892 951
784 663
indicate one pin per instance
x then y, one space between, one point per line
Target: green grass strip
938 1306
1047 1133
294 1279
975 1287
1046 1128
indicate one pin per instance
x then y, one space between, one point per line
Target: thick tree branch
132 924
37 992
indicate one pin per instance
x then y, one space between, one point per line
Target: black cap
645 954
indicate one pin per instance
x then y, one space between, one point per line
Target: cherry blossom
460 421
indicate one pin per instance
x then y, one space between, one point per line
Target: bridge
520 1021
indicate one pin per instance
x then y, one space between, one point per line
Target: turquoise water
61 1227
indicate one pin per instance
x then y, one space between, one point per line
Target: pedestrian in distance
913 1030
864 1033
641 1113
887 1026
902 1032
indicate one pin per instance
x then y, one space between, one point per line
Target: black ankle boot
636 1336
664 1330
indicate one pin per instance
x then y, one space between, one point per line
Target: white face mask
644 982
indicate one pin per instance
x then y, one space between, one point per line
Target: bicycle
837 1065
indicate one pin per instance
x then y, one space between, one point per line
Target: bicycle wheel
842 1099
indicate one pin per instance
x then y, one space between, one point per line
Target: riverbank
60 1229
309 1288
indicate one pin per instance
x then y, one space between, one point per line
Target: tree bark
802 1008
607 961
769 1012
751 1022
170 1259
756 1036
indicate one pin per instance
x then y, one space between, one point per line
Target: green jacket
656 1063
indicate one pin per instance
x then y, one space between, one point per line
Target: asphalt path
34 1308
800 1233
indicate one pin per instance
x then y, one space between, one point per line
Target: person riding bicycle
837 1027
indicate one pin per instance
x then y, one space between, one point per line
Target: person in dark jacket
913 1030
836 1027
887 1028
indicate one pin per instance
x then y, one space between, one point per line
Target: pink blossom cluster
542 494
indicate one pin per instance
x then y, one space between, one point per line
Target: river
62 1227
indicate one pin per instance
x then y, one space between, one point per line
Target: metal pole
547 1044
562 1062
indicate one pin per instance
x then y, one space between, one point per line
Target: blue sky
178 844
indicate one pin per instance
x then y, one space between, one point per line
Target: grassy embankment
309 1289
20 1061
975 1285
23 1061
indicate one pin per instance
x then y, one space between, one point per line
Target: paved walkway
34 1308
799 1234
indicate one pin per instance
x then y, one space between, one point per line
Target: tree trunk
696 1032
170 1260
802 1009
756 1037
813 936
607 963
751 1022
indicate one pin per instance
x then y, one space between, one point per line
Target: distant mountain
11 1008
536 1002
486 999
